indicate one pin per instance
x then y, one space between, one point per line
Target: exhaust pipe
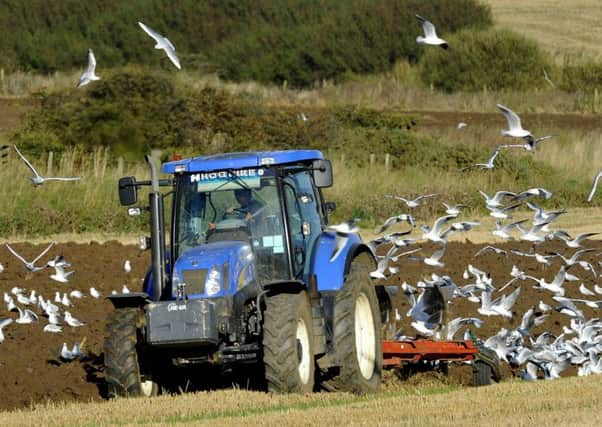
157 224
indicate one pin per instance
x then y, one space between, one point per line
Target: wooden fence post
49 164
120 166
387 161
372 159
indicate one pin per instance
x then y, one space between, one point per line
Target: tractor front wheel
288 355
357 333
121 355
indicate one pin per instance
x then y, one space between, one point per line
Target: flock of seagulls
32 307
542 356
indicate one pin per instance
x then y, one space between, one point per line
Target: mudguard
330 264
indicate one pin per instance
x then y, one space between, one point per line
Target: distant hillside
298 41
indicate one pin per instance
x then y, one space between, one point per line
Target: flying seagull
163 43
487 165
89 75
514 126
414 203
430 34
30 266
594 186
38 179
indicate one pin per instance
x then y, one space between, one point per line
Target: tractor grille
195 280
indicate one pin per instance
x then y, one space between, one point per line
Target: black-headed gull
594 186
411 203
515 128
72 321
38 179
430 34
489 164
395 219
89 75
435 234
162 43
4 322
94 293
30 266
453 209
127 266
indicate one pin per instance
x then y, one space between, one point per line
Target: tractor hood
214 269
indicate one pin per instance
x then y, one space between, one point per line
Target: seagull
38 179
531 234
26 316
553 286
430 34
95 293
342 230
461 125
66 301
60 275
125 290
594 187
76 351
53 328
395 219
547 78
503 231
127 266
496 200
89 75
76 294
66 354
457 323
435 259
539 192
30 266
4 322
500 306
453 209
435 234
584 291
530 144
1 268
72 321
303 116
487 165
490 248
163 43
572 242
514 126
502 213
413 203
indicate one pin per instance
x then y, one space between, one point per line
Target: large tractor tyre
288 341
481 374
121 355
357 333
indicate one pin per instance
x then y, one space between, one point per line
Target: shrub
477 60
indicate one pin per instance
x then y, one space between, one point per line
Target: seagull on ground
66 301
89 75
30 266
430 34
76 294
4 322
1 268
53 328
411 203
26 316
65 353
94 293
515 128
127 266
38 179
461 125
162 43
72 321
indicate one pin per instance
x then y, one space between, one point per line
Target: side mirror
322 173
128 191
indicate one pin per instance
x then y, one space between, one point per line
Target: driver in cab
250 209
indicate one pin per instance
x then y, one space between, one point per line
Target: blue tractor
251 276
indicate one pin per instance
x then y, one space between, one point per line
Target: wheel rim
365 338
304 359
146 387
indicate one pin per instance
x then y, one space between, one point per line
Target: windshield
234 205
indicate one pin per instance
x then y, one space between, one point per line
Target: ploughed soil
31 371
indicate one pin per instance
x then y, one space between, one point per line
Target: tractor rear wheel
481 374
121 355
288 343
357 333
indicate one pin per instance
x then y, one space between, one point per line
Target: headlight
212 286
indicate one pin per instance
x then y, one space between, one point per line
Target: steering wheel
234 213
